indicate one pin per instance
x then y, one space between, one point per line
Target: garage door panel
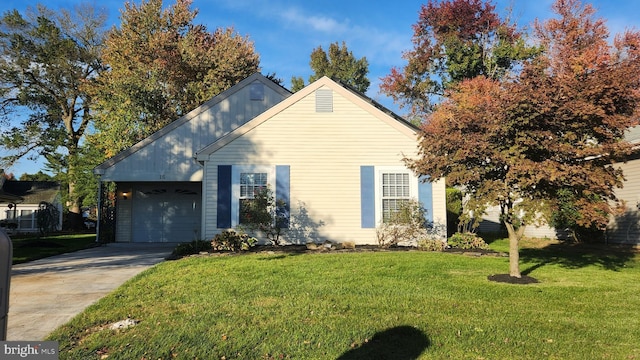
166 213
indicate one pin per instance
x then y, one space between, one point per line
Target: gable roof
31 192
348 92
189 116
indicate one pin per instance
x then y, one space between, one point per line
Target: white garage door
166 212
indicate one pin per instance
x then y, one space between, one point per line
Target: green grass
379 305
33 248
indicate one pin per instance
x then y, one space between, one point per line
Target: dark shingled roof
29 192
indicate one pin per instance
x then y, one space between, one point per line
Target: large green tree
161 66
47 61
555 129
454 40
339 63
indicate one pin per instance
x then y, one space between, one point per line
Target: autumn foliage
550 132
161 66
454 40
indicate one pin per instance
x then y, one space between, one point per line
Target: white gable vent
256 91
324 100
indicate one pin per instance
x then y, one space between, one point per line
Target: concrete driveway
47 293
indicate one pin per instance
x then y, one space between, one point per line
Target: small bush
403 226
194 247
454 209
233 240
265 215
467 241
431 244
348 245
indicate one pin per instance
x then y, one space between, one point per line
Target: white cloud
295 17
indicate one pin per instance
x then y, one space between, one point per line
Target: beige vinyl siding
491 224
626 227
325 152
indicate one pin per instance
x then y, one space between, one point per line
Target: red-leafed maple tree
556 127
454 40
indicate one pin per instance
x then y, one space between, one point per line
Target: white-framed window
246 180
250 184
395 192
393 187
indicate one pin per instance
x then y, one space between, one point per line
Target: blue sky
285 32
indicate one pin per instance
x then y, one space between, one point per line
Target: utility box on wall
6 258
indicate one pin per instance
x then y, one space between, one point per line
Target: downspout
202 198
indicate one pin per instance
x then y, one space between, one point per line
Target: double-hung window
250 184
384 189
396 191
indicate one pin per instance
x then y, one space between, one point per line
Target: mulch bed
506 278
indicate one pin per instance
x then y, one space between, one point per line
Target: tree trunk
75 211
514 249
75 201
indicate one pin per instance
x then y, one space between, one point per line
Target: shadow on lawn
398 343
575 256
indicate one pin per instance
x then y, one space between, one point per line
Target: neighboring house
491 224
623 228
21 200
332 155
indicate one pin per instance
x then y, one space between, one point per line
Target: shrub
8 224
194 247
232 240
265 214
408 226
454 209
431 244
467 241
47 217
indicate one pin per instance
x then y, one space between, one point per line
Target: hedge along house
332 155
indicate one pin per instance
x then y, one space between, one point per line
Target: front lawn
28 248
368 305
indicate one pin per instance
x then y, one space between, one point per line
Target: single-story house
21 200
331 154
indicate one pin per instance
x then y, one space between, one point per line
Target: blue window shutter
224 197
283 202
367 197
425 196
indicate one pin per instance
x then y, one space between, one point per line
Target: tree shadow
303 228
578 255
398 343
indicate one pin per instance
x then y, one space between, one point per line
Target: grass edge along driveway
397 305
29 248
